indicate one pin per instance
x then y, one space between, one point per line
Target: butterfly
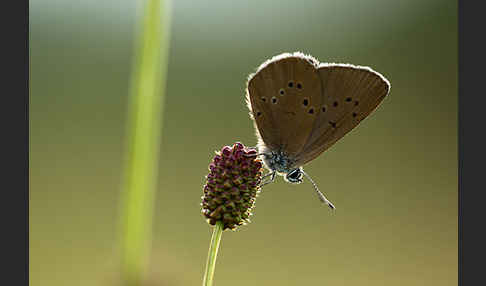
301 107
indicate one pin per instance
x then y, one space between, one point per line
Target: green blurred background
393 179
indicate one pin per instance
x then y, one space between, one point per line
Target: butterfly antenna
321 196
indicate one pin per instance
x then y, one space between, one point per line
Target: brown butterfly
301 107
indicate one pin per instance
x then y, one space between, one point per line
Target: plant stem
213 253
143 141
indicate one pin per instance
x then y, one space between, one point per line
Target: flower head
232 186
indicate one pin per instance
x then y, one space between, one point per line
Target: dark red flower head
232 186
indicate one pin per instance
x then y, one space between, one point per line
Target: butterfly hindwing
284 96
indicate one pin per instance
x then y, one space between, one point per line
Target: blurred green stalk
213 254
148 81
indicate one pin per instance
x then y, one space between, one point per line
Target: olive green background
393 179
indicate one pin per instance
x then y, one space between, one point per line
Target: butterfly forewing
349 94
285 95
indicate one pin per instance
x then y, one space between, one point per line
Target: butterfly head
295 176
282 163
278 162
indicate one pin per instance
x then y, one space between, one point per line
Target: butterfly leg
269 174
253 155
272 176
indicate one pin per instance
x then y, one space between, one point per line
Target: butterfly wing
284 96
349 94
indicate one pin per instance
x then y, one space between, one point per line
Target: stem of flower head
212 254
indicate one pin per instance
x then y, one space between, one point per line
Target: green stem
213 253
143 141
